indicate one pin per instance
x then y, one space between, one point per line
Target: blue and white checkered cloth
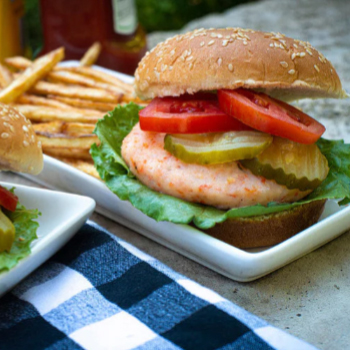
100 292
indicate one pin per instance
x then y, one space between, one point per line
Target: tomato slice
269 115
188 114
8 200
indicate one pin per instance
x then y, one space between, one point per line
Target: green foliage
155 15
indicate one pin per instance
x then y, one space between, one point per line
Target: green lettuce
112 129
26 226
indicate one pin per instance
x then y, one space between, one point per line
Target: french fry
79 103
77 129
18 62
101 76
78 79
44 88
42 101
68 152
64 128
86 166
64 141
45 114
6 76
31 75
54 127
91 55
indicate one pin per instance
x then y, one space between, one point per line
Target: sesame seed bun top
229 58
19 148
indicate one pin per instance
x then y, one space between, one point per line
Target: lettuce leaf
23 220
112 129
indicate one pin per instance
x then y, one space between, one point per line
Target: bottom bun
267 230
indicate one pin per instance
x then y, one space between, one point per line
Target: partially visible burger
20 151
220 133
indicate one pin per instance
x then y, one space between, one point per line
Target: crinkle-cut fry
101 76
46 114
18 62
39 68
68 152
67 77
77 129
91 55
64 141
42 101
6 76
80 103
45 88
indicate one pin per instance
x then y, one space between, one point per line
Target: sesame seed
295 45
224 42
245 42
202 43
219 61
284 64
318 69
189 58
213 35
230 67
219 36
302 54
211 42
292 71
170 67
25 143
172 52
271 45
190 65
293 56
25 128
5 135
309 52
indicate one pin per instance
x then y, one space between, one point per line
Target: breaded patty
222 185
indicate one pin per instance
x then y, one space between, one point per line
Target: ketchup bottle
77 24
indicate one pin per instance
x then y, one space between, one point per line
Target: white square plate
238 264
62 215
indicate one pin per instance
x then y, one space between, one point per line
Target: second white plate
62 215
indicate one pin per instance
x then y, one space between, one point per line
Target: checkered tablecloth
100 292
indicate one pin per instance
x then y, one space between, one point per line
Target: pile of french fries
63 103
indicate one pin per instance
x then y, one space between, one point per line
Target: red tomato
269 115
189 114
8 200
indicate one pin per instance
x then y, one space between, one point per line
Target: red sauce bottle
77 24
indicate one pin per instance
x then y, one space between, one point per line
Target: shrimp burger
219 146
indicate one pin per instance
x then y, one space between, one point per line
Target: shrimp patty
223 186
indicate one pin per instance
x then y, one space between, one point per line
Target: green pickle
294 165
216 148
7 233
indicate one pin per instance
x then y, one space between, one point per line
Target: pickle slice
215 148
291 164
7 233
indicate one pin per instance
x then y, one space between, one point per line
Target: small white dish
62 216
238 264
